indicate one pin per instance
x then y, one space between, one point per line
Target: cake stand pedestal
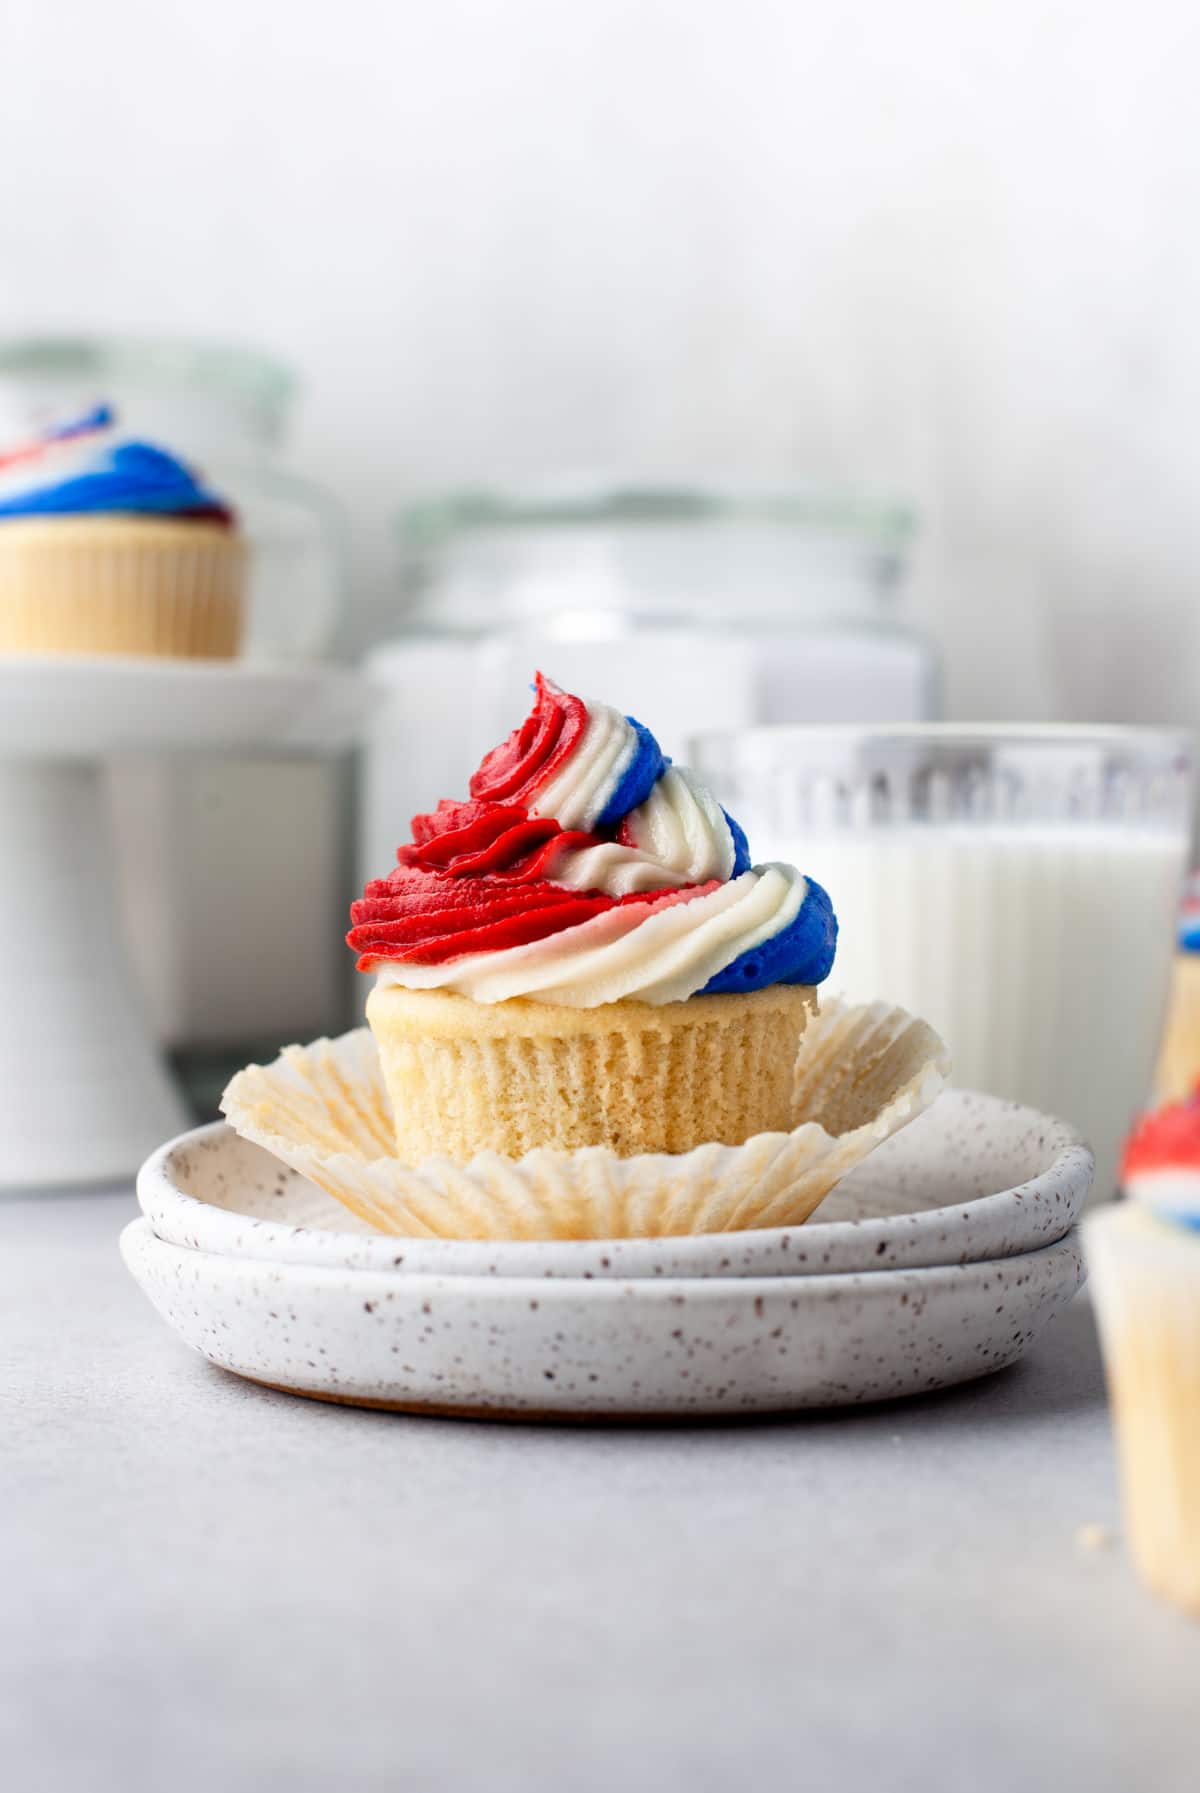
84 1092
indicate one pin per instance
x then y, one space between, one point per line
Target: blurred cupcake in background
1179 1062
110 545
1160 1167
1144 1260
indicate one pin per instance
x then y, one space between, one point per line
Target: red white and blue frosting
85 468
1160 1166
585 868
1189 916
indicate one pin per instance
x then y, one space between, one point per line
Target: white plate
973 1179
568 1349
61 706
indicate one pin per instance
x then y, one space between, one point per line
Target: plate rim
274 1242
616 1291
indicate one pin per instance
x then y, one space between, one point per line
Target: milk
1040 953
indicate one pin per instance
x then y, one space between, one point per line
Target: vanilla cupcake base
1145 1279
860 1076
465 1077
120 585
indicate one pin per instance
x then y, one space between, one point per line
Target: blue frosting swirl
801 953
639 777
111 476
741 847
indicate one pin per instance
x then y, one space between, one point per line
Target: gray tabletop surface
204 1585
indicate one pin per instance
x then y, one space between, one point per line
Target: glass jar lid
478 557
195 394
433 521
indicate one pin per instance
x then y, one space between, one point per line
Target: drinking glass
1018 888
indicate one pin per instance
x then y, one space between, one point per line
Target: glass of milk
1018 888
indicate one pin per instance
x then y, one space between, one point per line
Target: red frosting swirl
534 751
1168 1139
477 838
475 879
479 876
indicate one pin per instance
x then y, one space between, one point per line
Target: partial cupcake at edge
592 1015
112 545
1144 1267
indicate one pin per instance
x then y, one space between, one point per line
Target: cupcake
1179 1060
113 546
581 954
1144 1259
592 1017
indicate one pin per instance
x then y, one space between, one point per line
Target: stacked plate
940 1259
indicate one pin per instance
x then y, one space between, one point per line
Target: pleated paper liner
862 1074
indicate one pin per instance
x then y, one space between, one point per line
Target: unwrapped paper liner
862 1074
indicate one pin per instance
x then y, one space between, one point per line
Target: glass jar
692 608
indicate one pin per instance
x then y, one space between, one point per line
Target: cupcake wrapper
118 587
1145 1280
862 1074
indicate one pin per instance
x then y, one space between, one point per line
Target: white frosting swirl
681 825
681 836
665 956
576 795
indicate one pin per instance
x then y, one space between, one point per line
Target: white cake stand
84 1093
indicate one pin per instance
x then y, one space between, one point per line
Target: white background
944 247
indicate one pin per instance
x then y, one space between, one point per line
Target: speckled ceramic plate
558 1349
975 1178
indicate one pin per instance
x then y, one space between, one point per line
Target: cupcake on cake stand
122 607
